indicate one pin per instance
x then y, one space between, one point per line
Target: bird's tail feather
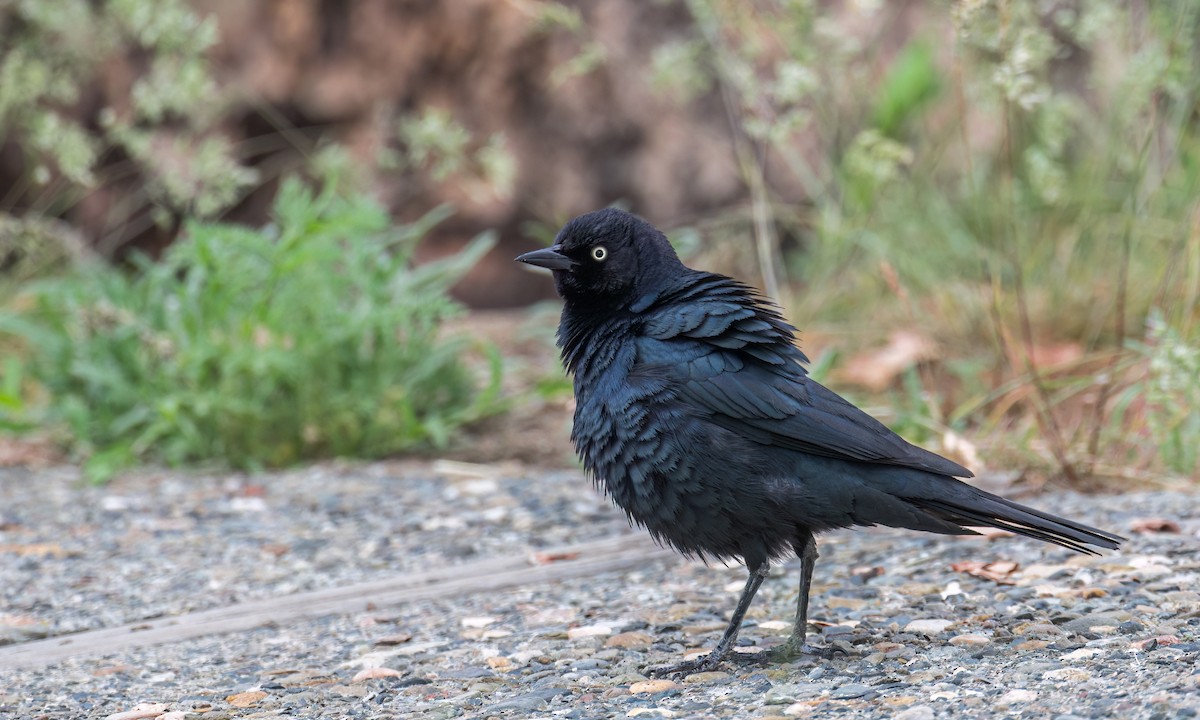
969 506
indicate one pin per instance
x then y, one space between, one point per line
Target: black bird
695 413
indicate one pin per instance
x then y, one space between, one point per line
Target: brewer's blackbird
696 415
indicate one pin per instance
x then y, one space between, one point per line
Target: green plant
434 142
1171 389
12 403
312 337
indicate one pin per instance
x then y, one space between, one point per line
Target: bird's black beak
548 258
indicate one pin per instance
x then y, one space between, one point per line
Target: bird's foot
790 651
704 663
708 663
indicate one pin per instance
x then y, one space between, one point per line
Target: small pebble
849 691
477 622
970 640
1082 654
1068 674
246 699
928 627
632 640
1036 628
1094 620
587 631
799 709
915 712
376 673
653 686
1016 696
141 711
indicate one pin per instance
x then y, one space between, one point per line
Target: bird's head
607 258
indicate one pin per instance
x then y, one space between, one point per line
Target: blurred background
255 232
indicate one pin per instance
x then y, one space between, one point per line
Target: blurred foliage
912 81
1014 176
433 142
313 337
1039 184
34 246
167 129
1172 393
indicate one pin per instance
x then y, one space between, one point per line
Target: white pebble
916 712
928 627
585 631
1016 696
481 621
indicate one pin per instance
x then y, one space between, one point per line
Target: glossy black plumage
695 414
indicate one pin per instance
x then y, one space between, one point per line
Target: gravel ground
1038 632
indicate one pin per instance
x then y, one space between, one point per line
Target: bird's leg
807 550
757 575
713 660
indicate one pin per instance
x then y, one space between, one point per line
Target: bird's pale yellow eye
599 253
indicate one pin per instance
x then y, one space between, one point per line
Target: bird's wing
734 358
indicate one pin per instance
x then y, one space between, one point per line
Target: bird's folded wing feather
733 357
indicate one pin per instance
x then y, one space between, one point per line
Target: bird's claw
791 651
704 663
708 663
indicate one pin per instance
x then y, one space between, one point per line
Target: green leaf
102 466
911 83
